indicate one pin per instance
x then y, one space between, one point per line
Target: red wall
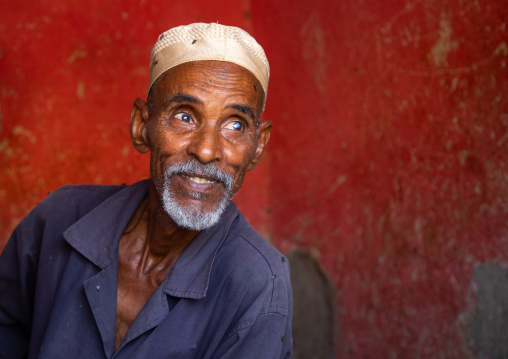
388 158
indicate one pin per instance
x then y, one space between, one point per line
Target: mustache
195 168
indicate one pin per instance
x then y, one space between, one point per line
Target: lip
200 179
186 180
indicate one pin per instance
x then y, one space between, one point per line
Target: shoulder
255 267
63 207
256 291
74 200
258 250
80 195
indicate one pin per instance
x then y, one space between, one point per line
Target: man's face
203 135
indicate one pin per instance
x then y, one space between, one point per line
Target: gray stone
489 328
314 308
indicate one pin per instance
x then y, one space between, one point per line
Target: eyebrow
245 109
180 97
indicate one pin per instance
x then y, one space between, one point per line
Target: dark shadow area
489 329
314 308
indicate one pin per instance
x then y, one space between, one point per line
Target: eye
184 117
235 126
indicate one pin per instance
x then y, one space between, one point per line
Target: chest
134 289
85 306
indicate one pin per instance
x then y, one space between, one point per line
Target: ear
139 120
264 129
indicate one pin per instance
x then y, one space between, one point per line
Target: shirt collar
190 275
96 237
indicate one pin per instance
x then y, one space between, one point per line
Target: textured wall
388 159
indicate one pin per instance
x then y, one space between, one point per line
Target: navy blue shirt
227 296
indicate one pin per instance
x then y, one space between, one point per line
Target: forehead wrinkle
232 97
181 97
187 82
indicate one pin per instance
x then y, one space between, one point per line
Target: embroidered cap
213 41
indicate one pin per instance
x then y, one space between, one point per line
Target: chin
190 217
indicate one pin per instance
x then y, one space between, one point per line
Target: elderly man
167 267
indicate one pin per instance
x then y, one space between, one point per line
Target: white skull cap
199 41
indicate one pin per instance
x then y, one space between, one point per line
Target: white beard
195 219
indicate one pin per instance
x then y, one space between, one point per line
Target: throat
138 279
144 262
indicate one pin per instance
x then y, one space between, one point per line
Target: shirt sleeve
267 336
263 329
17 286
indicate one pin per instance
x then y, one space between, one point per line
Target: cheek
168 144
240 153
155 170
161 148
238 159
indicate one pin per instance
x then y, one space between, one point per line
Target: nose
206 144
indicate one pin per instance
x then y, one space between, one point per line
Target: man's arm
262 327
17 286
268 336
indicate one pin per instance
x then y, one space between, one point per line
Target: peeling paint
501 49
314 49
80 90
125 150
21 131
340 180
444 44
78 54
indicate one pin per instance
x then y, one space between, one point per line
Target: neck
154 237
163 234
